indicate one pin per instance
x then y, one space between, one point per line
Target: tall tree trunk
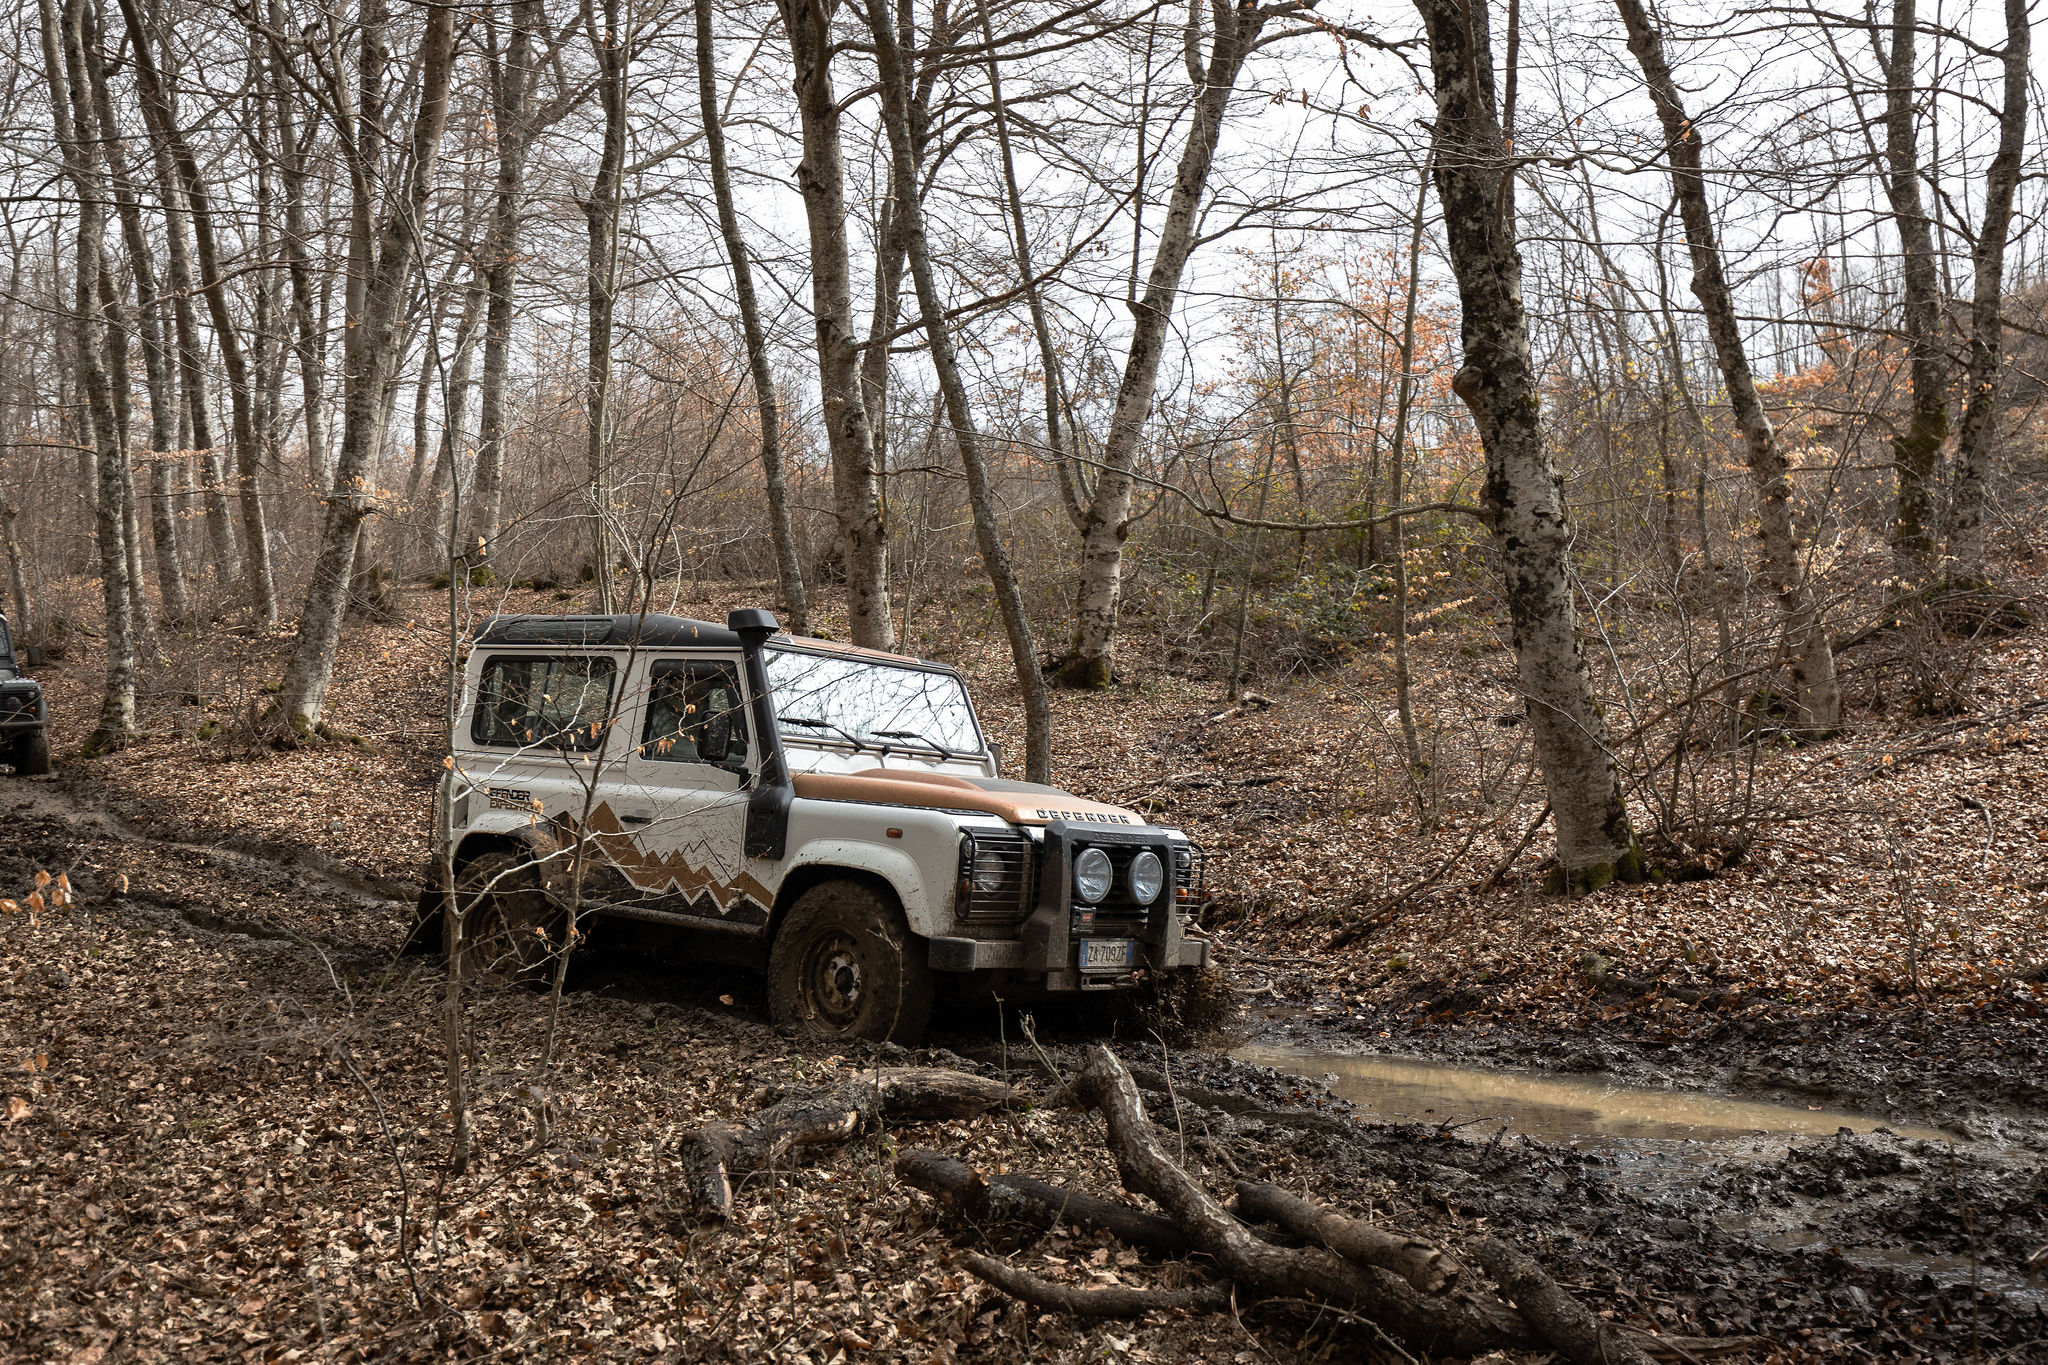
1404 400
1977 444
512 116
24 621
601 222
196 425
821 176
1917 451
157 369
72 115
988 535
447 476
1106 521
1074 484
157 109
1497 382
1805 640
307 343
781 532
370 364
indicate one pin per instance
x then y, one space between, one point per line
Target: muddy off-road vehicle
829 814
24 715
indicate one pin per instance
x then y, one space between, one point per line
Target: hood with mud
1021 803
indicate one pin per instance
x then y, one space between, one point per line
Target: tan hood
1021 803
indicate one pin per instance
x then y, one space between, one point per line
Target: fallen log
1560 1319
717 1155
1037 1203
1112 1301
1421 1322
1423 1264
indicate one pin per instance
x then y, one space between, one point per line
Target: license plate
1106 954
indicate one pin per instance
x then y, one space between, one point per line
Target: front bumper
22 708
1048 946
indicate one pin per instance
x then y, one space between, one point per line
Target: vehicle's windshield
6 652
870 704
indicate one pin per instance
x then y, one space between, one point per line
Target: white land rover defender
831 814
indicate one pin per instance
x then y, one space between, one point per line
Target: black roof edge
651 630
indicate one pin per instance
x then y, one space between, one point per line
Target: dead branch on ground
717 1155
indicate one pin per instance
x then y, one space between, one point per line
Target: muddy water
1555 1108
1659 1144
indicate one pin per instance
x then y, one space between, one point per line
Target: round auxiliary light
1093 875
1147 877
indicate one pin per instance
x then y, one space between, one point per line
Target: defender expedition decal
510 798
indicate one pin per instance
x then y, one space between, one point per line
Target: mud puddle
1769 1175
1553 1108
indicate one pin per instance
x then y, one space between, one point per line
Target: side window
695 714
528 702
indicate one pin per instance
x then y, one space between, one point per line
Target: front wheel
844 963
509 923
32 754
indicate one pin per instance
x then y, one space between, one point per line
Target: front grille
1004 863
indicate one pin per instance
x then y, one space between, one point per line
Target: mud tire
512 926
32 754
845 964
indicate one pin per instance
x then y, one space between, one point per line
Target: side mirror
995 753
714 744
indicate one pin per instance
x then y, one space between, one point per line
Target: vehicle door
682 799
544 724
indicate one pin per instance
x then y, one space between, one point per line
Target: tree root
717 1155
1409 1289
1559 1318
1262 1270
1117 1301
1024 1199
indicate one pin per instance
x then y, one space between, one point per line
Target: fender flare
893 867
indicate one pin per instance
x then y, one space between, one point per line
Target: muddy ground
227 1128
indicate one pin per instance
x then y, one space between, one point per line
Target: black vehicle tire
32 754
845 964
509 922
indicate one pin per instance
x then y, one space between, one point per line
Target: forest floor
226 1124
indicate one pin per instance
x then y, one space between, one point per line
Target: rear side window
524 702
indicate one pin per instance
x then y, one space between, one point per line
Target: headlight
1147 877
989 872
1092 875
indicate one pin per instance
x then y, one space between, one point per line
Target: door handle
636 819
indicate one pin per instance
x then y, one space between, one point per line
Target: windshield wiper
809 723
943 751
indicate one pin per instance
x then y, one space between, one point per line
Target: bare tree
370 361
988 534
1106 519
1498 383
1815 692
788 569
70 106
1918 449
821 176
257 577
1977 444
